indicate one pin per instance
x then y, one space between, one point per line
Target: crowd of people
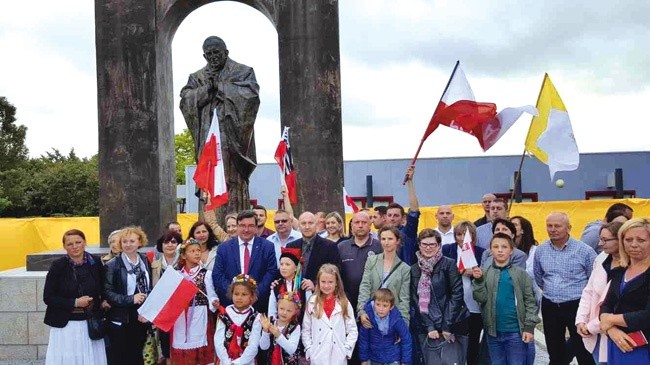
310 292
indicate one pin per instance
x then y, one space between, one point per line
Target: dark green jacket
485 293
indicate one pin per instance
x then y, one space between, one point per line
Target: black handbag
96 326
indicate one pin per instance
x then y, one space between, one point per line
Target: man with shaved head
562 268
445 216
485 201
354 252
316 250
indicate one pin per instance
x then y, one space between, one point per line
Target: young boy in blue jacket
389 340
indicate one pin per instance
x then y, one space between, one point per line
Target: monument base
24 336
43 260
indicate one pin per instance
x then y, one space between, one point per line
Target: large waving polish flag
168 299
459 110
209 175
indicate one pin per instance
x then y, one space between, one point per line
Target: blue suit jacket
262 267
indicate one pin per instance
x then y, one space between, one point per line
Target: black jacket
115 288
447 310
323 251
634 303
61 289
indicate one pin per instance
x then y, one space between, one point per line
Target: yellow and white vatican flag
550 137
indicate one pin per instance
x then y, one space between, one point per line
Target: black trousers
558 318
475 328
127 342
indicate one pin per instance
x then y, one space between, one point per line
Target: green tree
12 137
184 148
52 185
67 185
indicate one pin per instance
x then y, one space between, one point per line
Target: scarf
382 323
88 258
164 264
234 349
424 284
276 356
140 271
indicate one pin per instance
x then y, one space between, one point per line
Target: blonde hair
632 223
127 231
339 293
340 221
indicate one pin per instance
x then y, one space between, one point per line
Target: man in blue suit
247 254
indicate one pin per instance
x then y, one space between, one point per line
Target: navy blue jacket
262 267
409 231
375 346
451 251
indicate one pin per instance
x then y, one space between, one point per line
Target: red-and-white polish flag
467 259
209 175
459 110
350 205
285 162
168 299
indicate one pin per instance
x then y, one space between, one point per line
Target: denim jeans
507 349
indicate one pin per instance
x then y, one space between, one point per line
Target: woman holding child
385 270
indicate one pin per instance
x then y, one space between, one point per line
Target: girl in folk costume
239 328
192 334
291 278
329 330
283 335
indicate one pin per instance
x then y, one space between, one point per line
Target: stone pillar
135 105
136 142
310 99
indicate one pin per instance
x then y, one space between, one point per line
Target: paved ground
541 357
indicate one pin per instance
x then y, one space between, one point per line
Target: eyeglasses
281 221
429 244
607 240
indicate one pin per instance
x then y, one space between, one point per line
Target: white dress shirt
448 237
241 252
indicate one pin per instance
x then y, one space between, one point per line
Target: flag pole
523 155
417 152
517 179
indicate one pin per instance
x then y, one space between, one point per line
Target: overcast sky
396 57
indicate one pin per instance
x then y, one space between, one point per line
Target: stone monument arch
135 104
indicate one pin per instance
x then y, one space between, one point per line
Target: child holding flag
192 337
282 335
505 293
239 327
465 236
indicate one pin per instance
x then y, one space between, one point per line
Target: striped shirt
562 273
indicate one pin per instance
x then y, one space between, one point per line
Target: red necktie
247 258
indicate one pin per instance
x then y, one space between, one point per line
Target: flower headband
241 278
182 247
290 296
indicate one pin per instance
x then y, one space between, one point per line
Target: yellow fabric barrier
20 237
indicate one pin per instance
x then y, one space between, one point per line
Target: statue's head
215 52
